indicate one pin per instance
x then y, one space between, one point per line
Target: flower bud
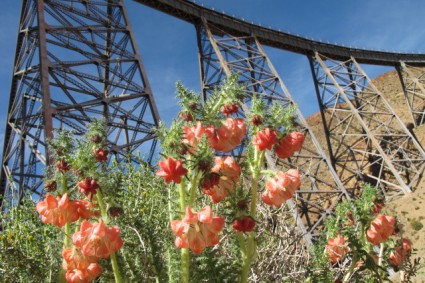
50 186
186 116
96 139
115 211
243 205
256 120
244 224
62 166
100 154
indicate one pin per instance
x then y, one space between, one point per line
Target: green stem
193 187
182 193
185 257
185 265
216 106
67 228
259 159
115 268
105 219
67 237
249 248
102 206
170 216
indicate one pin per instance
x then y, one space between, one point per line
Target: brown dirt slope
409 209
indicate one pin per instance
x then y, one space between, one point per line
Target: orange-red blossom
381 228
281 187
265 139
229 172
289 144
197 231
171 170
193 135
398 256
337 248
97 239
80 268
229 135
57 211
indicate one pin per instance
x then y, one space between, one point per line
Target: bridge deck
193 13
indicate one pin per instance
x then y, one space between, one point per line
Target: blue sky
169 51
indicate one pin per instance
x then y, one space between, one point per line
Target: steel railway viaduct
76 60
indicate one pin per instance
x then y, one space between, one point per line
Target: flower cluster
367 236
228 172
197 230
200 156
337 248
80 268
93 239
399 255
381 228
281 187
97 239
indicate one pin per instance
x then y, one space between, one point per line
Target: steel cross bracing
367 140
413 82
222 54
75 61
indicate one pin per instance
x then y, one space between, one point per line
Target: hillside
408 209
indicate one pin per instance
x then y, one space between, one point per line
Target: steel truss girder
75 61
413 82
222 54
367 141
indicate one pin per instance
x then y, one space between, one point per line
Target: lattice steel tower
365 140
75 61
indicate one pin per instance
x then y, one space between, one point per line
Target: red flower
281 188
197 231
85 209
192 136
337 248
381 228
229 172
88 186
229 109
80 268
289 144
244 224
62 166
57 211
228 136
100 154
265 139
171 170
400 254
97 239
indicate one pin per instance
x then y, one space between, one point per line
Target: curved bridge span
193 13
366 142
